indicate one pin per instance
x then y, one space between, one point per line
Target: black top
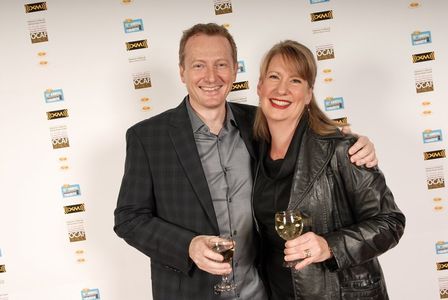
271 193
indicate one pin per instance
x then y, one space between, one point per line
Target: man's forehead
197 48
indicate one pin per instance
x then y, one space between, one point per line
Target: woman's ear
309 96
259 86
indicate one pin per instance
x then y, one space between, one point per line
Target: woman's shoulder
337 137
337 140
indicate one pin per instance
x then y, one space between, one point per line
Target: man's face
208 71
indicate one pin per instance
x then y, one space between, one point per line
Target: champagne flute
224 246
289 225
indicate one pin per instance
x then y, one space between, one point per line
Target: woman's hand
310 247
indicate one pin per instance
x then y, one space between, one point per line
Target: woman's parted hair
301 60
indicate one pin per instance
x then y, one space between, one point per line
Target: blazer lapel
181 134
245 124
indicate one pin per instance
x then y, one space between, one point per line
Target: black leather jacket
354 210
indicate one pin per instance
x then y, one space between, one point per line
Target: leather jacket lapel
315 153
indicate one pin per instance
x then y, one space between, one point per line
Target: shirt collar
199 126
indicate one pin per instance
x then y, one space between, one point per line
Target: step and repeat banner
74 75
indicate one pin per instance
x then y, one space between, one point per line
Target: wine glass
224 246
289 225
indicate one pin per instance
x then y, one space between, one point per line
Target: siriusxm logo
76 208
421 57
33 7
322 15
241 85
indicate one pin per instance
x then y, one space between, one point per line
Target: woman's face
283 93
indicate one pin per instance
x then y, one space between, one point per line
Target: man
187 177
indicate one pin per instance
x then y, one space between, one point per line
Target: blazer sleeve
136 219
371 221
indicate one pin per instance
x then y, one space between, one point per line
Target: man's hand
205 258
362 152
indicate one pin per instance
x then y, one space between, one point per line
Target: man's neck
212 117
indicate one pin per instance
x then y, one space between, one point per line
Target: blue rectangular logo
318 1
432 136
90 294
131 25
70 190
420 38
52 96
241 66
442 247
334 103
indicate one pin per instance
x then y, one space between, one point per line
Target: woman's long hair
301 59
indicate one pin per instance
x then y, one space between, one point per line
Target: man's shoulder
244 113
157 122
243 107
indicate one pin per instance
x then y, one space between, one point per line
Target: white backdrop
85 57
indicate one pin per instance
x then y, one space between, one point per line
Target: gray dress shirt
226 164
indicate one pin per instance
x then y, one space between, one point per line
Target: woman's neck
281 136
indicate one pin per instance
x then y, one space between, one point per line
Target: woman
304 165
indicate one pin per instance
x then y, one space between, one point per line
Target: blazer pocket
164 277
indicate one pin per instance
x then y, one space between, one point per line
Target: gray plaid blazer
164 200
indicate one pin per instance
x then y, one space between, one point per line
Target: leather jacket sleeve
370 221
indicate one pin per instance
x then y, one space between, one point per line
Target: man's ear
181 73
235 72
